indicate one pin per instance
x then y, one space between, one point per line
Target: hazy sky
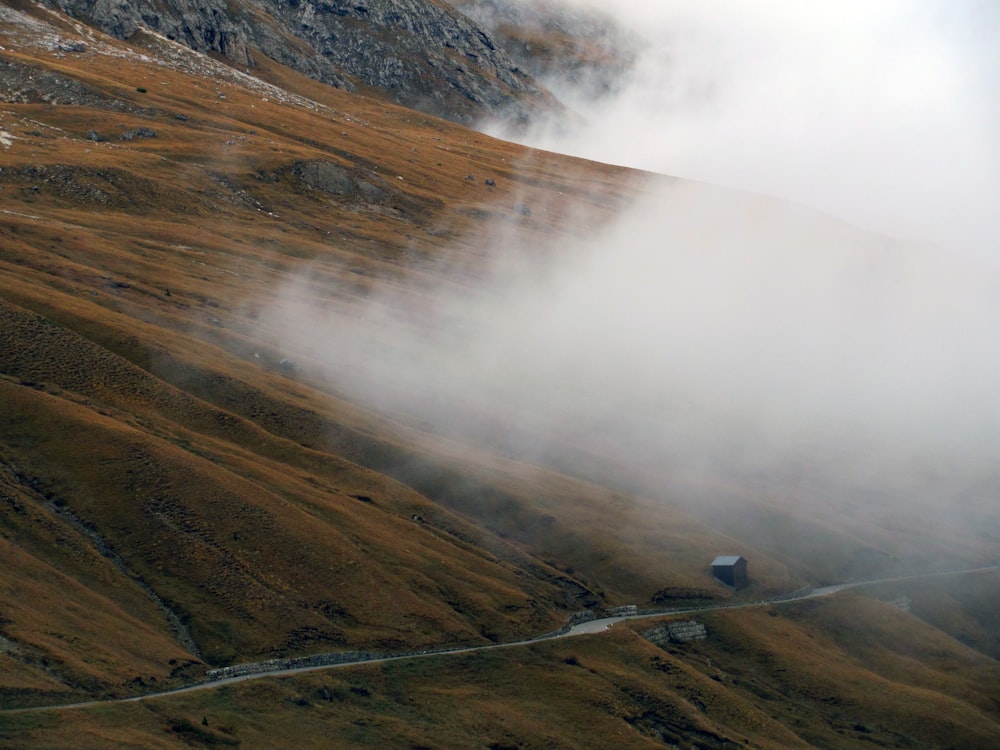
886 113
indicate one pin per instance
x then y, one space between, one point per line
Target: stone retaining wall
676 632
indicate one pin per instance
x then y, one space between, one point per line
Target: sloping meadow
284 375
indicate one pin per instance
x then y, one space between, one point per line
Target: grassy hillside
184 485
845 673
146 221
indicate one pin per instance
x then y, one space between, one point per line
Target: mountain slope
182 470
145 409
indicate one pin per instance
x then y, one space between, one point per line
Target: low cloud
706 330
885 114
822 336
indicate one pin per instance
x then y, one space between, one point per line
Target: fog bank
707 330
886 114
721 332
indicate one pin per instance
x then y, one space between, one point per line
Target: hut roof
726 560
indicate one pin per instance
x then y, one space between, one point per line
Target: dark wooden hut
731 570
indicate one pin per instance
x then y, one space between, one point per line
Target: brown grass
275 516
836 673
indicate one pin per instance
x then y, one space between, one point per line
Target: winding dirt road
589 627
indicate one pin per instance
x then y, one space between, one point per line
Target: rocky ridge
424 54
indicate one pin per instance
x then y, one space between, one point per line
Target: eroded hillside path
590 627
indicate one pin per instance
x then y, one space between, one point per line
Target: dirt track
585 628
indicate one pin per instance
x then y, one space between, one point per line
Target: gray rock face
428 54
588 53
424 53
205 25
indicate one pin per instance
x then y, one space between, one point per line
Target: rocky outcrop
26 84
423 53
427 54
676 632
204 25
565 45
